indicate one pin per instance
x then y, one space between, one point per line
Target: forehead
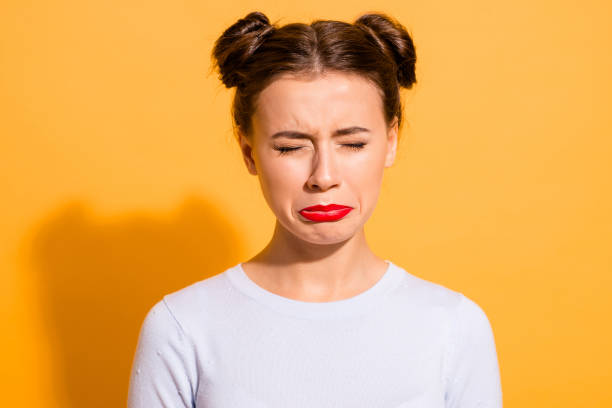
321 102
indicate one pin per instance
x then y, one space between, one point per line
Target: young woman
316 319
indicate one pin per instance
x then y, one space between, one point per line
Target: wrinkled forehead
318 104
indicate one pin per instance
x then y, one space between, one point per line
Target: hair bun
237 44
394 41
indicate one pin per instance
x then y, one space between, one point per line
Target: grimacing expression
311 162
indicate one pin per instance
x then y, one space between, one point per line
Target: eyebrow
293 134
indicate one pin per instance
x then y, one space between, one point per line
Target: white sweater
225 342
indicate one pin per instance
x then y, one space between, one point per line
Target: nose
324 174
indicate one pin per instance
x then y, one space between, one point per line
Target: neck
301 269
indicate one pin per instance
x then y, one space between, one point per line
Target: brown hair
251 53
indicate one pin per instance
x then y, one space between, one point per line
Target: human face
340 144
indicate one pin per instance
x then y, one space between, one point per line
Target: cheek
280 179
365 176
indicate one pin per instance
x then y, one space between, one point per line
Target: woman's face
339 146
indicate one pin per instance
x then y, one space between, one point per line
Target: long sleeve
163 371
472 370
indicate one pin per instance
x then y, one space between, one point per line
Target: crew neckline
357 304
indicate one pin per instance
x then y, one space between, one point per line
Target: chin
326 236
320 233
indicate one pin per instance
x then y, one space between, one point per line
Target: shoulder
198 293
427 294
460 312
192 305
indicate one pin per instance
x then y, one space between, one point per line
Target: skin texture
319 261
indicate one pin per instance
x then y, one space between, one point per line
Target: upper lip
328 207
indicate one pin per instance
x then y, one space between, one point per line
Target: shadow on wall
99 277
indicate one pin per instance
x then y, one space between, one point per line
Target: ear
247 152
392 132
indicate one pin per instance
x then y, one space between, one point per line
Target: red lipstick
331 212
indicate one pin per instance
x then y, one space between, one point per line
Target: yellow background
121 181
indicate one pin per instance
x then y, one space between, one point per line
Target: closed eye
355 146
284 150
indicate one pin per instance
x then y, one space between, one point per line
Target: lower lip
332 215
